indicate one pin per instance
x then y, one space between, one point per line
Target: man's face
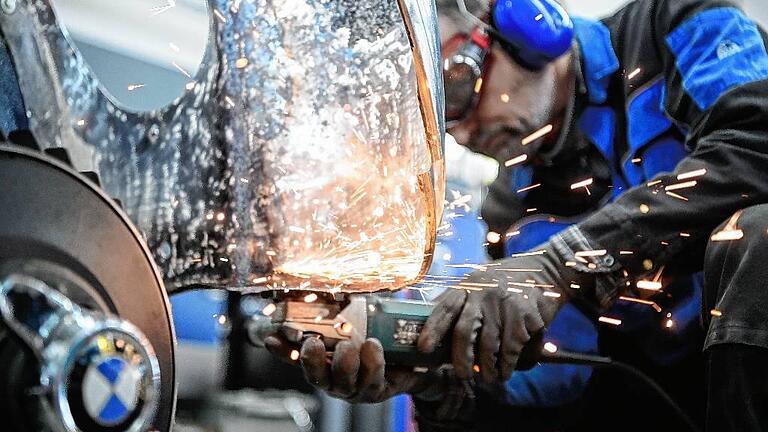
513 103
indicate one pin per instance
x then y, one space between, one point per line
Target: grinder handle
397 324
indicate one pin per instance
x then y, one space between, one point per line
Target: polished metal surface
306 152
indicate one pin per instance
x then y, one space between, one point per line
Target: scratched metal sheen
306 152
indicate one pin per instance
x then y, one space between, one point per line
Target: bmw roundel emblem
111 388
112 383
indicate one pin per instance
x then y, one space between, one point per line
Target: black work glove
495 312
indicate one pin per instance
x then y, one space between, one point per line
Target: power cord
567 357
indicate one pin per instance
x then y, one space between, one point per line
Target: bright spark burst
715 313
683 185
536 135
729 235
478 85
294 355
591 253
550 347
527 188
526 254
516 160
269 309
649 285
132 87
493 237
608 320
583 183
633 74
674 195
691 174
181 69
655 306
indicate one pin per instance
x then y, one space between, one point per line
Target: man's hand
495 312
355 373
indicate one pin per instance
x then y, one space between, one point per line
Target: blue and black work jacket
670 122
670 92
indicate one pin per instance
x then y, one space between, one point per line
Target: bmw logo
111 390
111 383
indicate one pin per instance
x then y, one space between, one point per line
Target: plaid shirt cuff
577 252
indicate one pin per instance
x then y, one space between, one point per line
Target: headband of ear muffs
533 32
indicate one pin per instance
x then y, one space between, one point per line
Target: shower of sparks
684 234
536 135
625 252
653 183
691 174
633 74
608 320
157 10
636 160
181 69
527 188
132 87
516 160
649 285
512 234
294 355
504 98
539 17
715 313
655 306
683 185
669 323
550 347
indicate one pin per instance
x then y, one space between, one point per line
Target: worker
635 85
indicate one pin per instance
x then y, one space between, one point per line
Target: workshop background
144 52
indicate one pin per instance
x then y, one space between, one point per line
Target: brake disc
50 213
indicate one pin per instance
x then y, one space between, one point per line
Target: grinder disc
50 212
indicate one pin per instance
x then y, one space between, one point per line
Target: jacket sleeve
716 75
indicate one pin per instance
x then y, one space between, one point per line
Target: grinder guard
306 152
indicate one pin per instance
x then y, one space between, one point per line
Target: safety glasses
465 61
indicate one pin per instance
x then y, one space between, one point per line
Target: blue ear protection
533 32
